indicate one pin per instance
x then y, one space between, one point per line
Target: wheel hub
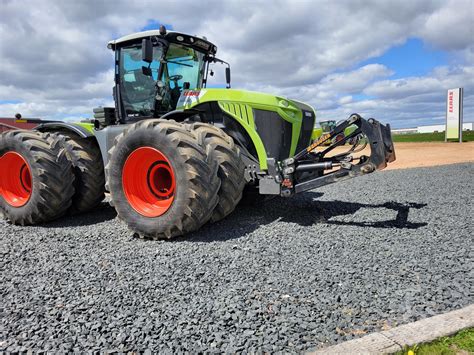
148 181
15 179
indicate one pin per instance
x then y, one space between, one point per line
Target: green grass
467 136
461 343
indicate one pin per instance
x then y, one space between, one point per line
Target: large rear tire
160 179
88 166
221 148
36 178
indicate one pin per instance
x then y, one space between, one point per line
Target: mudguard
83 130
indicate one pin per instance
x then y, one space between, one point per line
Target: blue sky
412 58
390 60
155 25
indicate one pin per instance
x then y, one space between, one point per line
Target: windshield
186 63
183 68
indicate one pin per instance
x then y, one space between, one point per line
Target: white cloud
355 81
440 80
333 89
451 27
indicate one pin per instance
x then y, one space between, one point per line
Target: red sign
191 93
450 101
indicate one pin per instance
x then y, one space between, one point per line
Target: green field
461 343
467 136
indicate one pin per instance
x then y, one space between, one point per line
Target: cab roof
176 37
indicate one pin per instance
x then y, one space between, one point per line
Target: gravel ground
296 274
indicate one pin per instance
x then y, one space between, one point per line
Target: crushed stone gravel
290 275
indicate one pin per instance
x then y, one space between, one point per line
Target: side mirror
146 71
147 50
227 77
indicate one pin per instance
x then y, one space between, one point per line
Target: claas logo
191 93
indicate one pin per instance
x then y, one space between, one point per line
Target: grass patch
467 136
460 343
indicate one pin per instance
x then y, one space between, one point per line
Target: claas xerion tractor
173 153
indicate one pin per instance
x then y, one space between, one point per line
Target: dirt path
414 155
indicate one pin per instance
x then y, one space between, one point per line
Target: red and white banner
454 114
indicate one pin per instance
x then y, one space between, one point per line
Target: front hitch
371 132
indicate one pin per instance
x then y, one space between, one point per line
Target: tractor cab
152 68
327 126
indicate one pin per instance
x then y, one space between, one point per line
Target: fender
180 115
83 130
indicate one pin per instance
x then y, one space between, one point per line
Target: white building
405 130
432 128
469 126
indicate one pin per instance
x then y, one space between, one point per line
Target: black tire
86 159
50 185
221 148
195 178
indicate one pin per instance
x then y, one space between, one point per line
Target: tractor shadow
102 213
306 210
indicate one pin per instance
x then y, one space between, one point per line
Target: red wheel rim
15 179
148 181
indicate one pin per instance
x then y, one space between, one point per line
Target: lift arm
337 167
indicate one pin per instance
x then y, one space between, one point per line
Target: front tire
221 148
160 179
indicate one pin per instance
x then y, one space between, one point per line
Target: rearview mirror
146 71
147 50
227 77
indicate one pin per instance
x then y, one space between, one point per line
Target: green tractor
173 153
329 125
